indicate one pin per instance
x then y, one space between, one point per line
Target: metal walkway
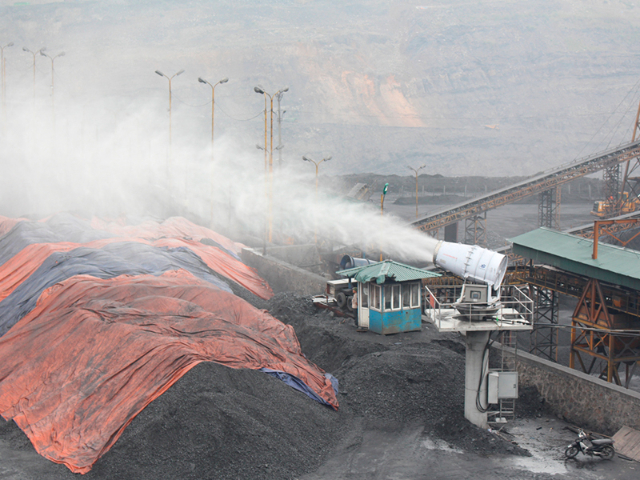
536 184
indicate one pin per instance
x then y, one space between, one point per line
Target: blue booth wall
395 321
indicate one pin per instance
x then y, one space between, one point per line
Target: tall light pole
260 90
53 105
416 170
169 78
34 69
213 88
213 103
3 72
317 164
280 115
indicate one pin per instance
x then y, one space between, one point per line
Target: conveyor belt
533 185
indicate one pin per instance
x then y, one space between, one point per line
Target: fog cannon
471 262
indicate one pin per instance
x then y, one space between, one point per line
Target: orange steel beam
616 298
601 223
533 186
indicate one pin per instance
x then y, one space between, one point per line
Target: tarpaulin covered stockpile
25 249
93 353
23 242
174 227
112 260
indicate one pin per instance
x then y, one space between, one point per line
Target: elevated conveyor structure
536 184
605 325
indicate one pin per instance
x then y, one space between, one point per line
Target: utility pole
280 115
3 72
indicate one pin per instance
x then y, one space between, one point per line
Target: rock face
506 88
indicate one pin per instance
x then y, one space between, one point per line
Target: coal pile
220 423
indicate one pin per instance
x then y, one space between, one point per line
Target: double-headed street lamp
3 72
317 164
213 92
213 102
416 170
260 90
52 58
34 68
169 78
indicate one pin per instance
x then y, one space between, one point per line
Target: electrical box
501 385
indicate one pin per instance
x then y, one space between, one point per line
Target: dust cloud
85 159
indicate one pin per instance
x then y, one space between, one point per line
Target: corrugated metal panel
387 269
615 265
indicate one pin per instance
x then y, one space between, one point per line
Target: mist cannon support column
475 385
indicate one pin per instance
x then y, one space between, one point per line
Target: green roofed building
614 265
389 296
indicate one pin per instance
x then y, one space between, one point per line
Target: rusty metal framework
613 229
622 300
629 183
604 227
549 208
609 339
535 185
543 340
611 177
475 230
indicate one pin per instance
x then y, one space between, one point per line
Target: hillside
494 88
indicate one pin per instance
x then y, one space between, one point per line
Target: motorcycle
593 447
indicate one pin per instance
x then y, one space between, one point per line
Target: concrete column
474 370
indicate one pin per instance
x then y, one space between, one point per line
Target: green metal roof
615 265
388 269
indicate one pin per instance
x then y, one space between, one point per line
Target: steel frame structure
616 298
594 333
475 230
549 208
534 185
543 340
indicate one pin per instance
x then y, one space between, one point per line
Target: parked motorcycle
593 447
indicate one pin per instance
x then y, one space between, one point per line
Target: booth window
392 297
375 297
395 303
387 297
365 295
406 295
415 294
411 295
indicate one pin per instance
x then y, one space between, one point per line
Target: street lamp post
53 105
416 170
169 78
317 164
34 69
213 88
3 72
213 102
280 115
260 90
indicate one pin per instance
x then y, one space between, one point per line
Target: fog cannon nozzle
471 262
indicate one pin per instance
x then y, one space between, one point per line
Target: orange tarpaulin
7 223
80 366
174 227
22 265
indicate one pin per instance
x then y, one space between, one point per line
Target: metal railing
441 303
